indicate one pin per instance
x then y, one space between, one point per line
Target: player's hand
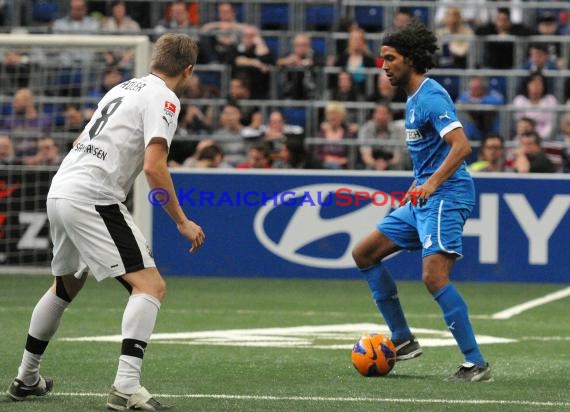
423 192
193 233
411 194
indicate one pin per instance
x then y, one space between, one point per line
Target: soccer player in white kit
130 131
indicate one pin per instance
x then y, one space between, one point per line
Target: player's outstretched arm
460 150
158 176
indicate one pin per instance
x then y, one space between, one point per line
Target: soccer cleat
407 349
18 390
470 372
141 400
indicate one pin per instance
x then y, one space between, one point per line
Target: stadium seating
370 18
274 16
320 17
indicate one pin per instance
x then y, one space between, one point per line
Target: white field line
336 399
518 309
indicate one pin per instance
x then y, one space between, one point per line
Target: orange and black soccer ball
374 355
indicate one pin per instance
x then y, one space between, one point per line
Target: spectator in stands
207 155
219 39
334 128
300 78
344 90
500 54
258 157
524 125
491 155
380 128
7 152
25 122
530 157
192 121
240 91
357 57
402 18
112 76
24 114
382 159
386 93
479 12
532 102
344 25
17 64
453 52
474 14
253 61
178 19
293 155
229 135
119 21
47 153
479 123
74 119
547 25
276 132
77 21
211 157
539 60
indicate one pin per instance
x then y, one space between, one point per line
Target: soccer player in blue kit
435 208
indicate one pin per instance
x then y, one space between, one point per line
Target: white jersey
103 165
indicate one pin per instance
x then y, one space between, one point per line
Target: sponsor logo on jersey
413 135
444 116
412 116
169 107
427 242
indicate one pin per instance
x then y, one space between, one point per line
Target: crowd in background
242 135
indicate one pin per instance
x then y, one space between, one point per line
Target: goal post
41 65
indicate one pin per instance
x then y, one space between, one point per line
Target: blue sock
456 317
385 295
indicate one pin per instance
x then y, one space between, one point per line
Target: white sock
138 323
43 324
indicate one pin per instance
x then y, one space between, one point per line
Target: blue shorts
435 227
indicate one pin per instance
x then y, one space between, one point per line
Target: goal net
49 87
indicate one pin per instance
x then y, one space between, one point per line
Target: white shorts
104 238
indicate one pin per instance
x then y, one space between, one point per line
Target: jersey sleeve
161 117
442 114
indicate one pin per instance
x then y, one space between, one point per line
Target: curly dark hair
416 42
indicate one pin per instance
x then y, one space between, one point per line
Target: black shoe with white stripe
470 372
407 349
18 390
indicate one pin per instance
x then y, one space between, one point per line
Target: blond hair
172 53
336 107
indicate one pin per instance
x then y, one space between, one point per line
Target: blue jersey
430 115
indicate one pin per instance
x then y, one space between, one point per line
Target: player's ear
189 70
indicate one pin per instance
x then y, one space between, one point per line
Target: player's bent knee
361 259
434 281
68 287
146 281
